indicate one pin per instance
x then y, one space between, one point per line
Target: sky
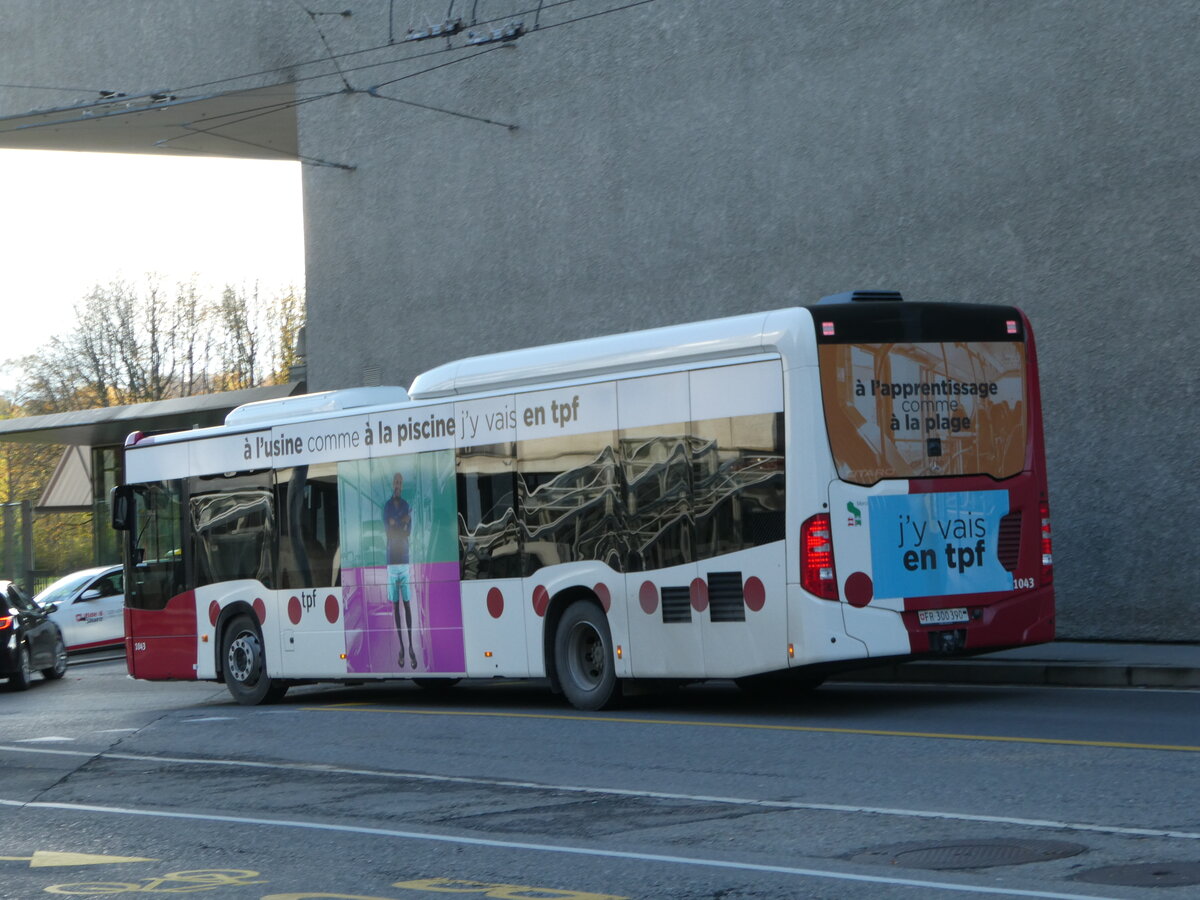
71 220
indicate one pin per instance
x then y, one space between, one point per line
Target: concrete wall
681 160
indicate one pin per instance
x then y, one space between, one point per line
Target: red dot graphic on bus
260 610
294 610
648 597
860 590
214 610
755 593
603 595
699 591
541 600
331 609
495 603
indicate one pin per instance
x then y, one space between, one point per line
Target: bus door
662 586
740 497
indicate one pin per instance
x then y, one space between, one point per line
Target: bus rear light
816 557
5 622
1047 548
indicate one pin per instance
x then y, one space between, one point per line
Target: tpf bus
766 498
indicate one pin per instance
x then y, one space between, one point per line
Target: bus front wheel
583 657
245 665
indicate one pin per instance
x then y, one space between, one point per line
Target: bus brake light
1047 548
816 557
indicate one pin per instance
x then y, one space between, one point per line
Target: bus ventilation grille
676 604
1008 543
726 602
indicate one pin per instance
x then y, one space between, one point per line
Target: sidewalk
1070 663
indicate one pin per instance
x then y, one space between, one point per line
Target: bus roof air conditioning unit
862 297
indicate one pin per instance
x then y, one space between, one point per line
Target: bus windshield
920 410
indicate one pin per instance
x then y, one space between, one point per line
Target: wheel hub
243 660
589 660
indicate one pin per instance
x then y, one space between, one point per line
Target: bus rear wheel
583 657
245 665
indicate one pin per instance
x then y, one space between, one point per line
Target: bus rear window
922 410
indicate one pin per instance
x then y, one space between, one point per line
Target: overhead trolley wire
331 57
334 57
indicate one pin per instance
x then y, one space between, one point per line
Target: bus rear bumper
1014 621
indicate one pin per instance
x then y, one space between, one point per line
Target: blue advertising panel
928 545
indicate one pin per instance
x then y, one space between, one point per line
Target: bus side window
488 536
572 501
739 481
307 502
657 465
233 528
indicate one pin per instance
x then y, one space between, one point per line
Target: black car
29 641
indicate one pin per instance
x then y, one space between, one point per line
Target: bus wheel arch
578 647
241 658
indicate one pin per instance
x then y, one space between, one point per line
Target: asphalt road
500 790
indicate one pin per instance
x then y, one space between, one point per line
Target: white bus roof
614 353
777 331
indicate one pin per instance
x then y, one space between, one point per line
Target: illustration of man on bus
397 518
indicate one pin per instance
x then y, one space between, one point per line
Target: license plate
942 616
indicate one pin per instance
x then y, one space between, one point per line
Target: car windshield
63 588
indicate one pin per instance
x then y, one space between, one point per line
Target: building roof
110 425
259 123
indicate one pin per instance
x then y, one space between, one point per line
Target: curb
1018 673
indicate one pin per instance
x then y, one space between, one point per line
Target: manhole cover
1167 874
968 854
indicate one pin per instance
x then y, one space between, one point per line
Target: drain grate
968 854
1166 874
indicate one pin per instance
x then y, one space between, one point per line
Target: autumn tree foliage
132 344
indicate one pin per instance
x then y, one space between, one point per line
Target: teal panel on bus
930 545
366 487
399 560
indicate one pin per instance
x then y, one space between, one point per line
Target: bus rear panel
939 516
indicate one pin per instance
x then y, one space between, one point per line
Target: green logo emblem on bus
855 515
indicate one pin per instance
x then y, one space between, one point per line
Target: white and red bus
766 498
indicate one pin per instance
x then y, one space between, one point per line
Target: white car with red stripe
91 607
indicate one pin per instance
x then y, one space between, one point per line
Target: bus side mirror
122 508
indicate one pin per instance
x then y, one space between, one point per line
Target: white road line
327 769
555 848
53 739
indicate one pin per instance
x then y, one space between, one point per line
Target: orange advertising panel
925 409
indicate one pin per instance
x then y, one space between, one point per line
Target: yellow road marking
813 729
47 858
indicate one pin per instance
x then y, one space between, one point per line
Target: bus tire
244 664
583 657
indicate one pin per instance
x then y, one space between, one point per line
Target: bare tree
129 346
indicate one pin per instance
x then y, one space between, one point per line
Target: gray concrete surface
1066 663
680 160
